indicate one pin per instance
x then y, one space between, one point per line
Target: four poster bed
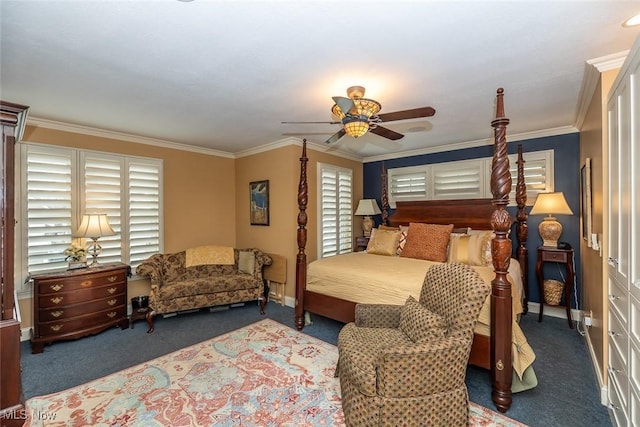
492 345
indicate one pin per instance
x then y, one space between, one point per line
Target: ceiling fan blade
336 136
345 104
309 123
386 133
407 114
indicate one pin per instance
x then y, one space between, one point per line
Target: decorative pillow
384 242
427 241
246 262
419 324
485 245
404 231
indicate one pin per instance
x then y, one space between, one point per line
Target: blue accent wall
567 179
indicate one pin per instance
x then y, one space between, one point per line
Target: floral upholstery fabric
175 287
388 380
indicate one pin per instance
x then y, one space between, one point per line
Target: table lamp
551 204
94 226
366 208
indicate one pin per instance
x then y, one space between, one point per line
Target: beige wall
206 197
593 145
281 167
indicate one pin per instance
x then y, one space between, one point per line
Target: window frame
117 248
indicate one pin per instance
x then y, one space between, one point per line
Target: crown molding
592 70
121 136
563 130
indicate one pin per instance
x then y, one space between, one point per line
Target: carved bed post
522 230
301 258
384 201
501 363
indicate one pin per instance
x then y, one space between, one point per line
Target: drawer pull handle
612 406
112 301
613 297
613 262
111 315
112 278
86 283
614 370
57 300
56 328
57 287
613 334
112 290
57 313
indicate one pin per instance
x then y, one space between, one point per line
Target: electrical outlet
587 317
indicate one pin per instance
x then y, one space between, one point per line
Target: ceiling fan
358 115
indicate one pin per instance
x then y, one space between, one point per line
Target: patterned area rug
265 374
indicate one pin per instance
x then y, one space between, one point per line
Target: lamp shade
367 207
551 204
94 226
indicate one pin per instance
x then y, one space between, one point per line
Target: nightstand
361 243
558 256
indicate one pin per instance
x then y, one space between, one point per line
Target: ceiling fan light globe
355 126
367 107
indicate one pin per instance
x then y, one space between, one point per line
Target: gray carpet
567 393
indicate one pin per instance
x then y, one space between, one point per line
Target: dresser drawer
65 284
618 340
66 311
73 325
552 256
62 299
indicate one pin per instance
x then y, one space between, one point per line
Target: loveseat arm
262 259
377 315
152 267
442 366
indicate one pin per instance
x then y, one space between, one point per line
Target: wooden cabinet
12 117
75 303
361 243
623 244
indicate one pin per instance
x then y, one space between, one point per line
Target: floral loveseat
176 287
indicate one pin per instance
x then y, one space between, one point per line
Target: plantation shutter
102 187
47 176
407 184
538 174
336 215
459 180
58 185
144 210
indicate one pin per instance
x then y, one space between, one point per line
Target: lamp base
94 250
550 231
367 226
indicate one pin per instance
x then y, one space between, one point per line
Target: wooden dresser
75 303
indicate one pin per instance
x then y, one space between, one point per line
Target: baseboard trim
553 311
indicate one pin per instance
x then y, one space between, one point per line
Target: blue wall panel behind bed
567 179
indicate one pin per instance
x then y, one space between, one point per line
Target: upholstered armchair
406 364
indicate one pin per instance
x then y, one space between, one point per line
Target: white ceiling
224 74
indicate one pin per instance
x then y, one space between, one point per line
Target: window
335 210
468 179
59 184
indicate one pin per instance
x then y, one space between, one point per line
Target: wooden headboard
474 213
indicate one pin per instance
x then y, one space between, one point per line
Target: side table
139 314
559 256
361 243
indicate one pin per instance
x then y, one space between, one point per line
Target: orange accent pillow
427 241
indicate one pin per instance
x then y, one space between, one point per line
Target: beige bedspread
377 279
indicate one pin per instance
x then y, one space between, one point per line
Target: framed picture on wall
585 186
259 202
